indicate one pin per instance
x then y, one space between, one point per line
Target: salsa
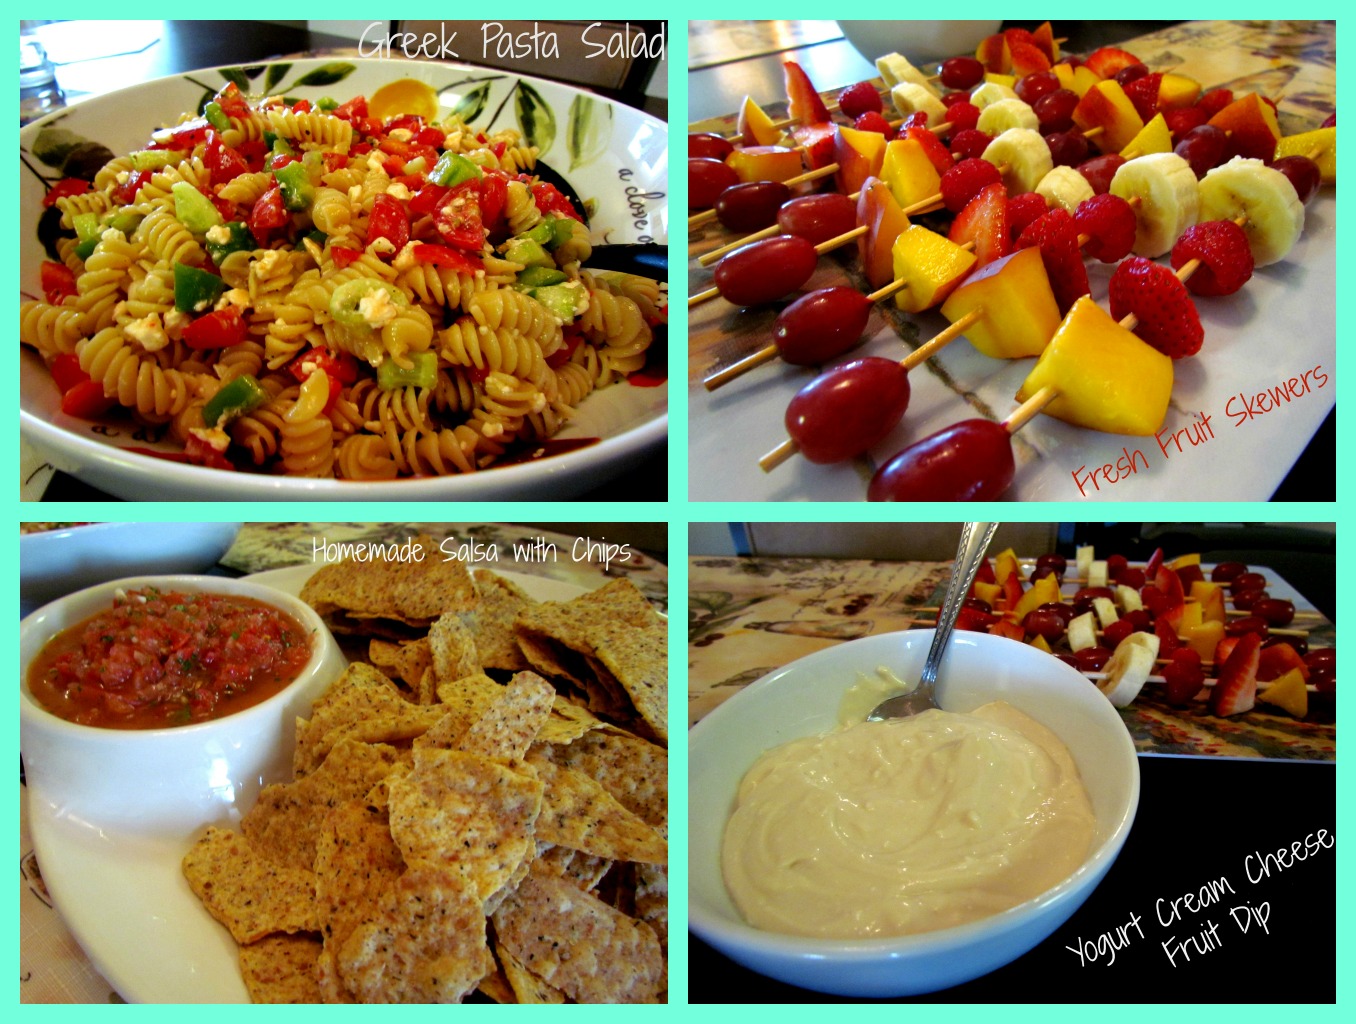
159 659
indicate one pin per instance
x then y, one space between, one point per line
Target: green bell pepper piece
561 299
452 169
297 190
423 374
240 395
537 277
195 290
527 252
326 103
241 238
346 302
561 231
216 117
155 159
194 210
125 222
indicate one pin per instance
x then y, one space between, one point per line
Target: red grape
708 145
1068 149
1247 624
1045 624
843 412
819 217
1247 581
752 205
1224 572
1117 631
1303 173
1330 121
1245 599
1092 659
1055 110
1030 88
962 73
1203 147
1100 170
1321 656
823 324
707 178
765 271
1130 73
967 461
1275 611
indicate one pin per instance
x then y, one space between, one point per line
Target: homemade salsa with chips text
158 659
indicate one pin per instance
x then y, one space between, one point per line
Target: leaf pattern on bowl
590 130
535 117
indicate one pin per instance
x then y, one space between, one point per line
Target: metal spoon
974 541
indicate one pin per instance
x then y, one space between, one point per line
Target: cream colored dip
910 825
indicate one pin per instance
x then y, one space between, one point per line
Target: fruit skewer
696 220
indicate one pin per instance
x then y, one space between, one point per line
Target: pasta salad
318 291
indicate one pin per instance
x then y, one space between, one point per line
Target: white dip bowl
802 699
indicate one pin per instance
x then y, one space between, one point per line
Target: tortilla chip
638 659
453 648
406 662
356 861
285 822
425 945
632 769
332 987
579 813
472 814
578 868
496 988
567 722
281 969
365 596
360 693
509 725
578 944
526 986
248 893
652 898
492 621
554 635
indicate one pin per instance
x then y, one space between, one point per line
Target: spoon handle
974 541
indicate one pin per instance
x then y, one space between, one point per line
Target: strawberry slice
1027 58
1225 648
933 148
804 104
1168 644
818 142
975 620
1008 629
1155 560
1143 93
1236 688
1170 584
984 221
1104 63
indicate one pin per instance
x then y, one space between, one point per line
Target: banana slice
1105 609
1169 199
1082 632
1129 668
1025 154
1275 214
1064 187
1001 115
991 92
1083 559
895 68
909 97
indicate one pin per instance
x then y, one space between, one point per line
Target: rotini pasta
337 307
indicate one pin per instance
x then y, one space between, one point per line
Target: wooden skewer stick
1099 676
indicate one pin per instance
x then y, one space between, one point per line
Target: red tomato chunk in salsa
160 659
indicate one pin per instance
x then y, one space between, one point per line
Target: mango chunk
1106 106
1019 315
931 263
1154 137
909 173
1288 693
1107 378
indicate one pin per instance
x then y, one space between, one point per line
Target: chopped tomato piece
408 150
222 161
200 453
232 101
66 371
65 187
410 122
301 107
253 151
442 256
493 197
353 109
219 329
278 160
268 214
551 200
58 282
334 161
86 400
458 218
126 192
183 136
343 255
561 356
430 136
428 199
390 221
341 366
